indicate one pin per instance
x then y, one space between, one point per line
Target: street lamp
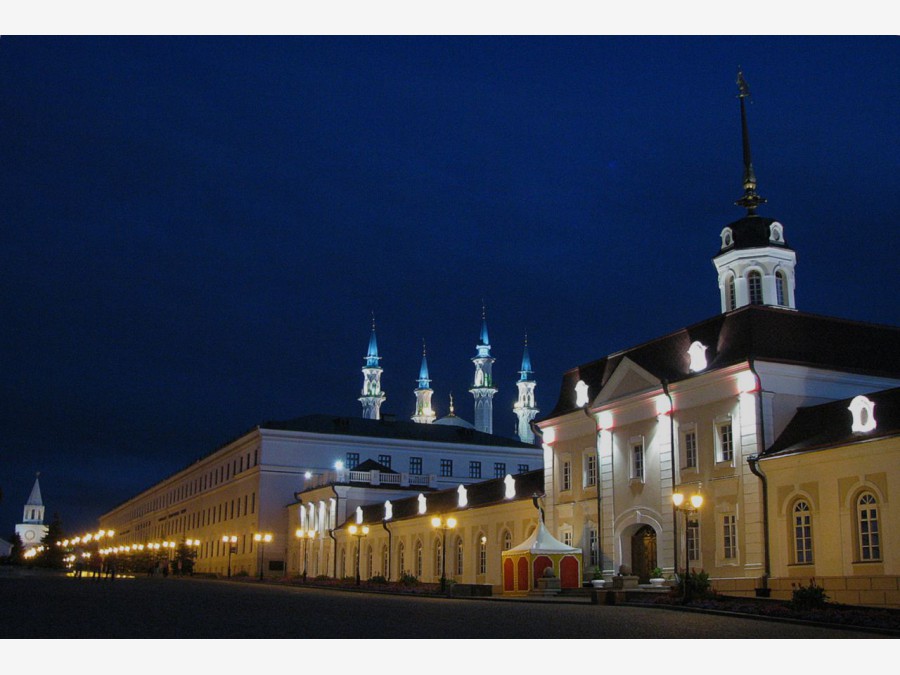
193 547
231 542
263 538
307 537
359 533
687 508
440 524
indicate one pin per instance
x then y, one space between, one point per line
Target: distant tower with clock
32 529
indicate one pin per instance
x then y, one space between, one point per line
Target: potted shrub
597 578
656 577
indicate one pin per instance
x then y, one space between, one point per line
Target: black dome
752 232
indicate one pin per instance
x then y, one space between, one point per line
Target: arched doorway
643 553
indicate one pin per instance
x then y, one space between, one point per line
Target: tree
54 554
184 556
18 548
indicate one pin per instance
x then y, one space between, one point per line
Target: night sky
194 232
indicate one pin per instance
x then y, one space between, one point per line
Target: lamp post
262 538
687 508
306 536
231 542
193 546
440 524
359 532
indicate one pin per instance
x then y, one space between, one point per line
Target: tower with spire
483 388
524 407
754 264
32 529
424 412
372 396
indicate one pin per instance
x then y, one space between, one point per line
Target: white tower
424 412
483 388
372 396
525 407
754 263
32 529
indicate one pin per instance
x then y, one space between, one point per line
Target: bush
241 573
693 584
378 579
408 579
808 597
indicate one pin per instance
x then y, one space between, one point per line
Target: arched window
867 527
482 554
401 559
507 540
370 569
385 562
781 287
459 557
730 297
802 533
727 239
438 551
754 287
419 569
343 571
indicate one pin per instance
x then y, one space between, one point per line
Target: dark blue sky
196 231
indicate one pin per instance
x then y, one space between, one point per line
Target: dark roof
755 331
482 494
358 426
372 465
828 425
751 232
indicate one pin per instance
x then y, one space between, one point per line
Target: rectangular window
724 442
415 466
689 442
446 468
637 460
567 537
566 477
692 537
729 537
594 558
523 468
590 469
352 460
499 469
474 469
385 461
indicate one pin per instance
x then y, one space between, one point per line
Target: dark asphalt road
58 607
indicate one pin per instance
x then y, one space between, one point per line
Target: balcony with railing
373 478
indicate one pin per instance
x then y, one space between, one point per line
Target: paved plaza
50 606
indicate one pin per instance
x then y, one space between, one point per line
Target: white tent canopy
541 541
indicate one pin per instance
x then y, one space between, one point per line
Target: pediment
627 379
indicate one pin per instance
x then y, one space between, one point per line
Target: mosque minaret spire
483 388
524 407
424 412
372 396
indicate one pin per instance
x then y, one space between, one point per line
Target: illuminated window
729 293
419 569
566 476
438 557
729 536
637 459
566 536
689 443
385 562
593 547
459 557
802 534
507 540
352 460
781 288
482 554
590 469
754 287
401 558
692 537
868 535
724 441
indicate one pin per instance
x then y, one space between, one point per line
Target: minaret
424 413
483 388
755 265
525 407
372 396
32 529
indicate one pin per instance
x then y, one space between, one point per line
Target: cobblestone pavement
48 606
